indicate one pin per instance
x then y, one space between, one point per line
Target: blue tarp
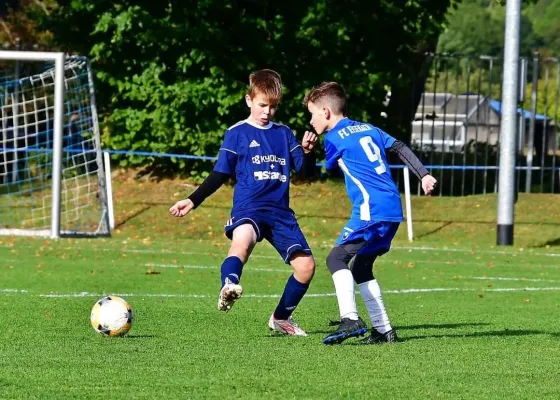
497 106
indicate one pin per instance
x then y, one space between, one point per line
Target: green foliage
477 27
546 19
172 76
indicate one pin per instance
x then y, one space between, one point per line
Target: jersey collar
267 126
340 124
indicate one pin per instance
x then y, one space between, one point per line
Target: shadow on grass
130 217
501 334
439 228
139 336
410 327
551 243
489 334
440 326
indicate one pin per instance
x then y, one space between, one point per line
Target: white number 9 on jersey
373 153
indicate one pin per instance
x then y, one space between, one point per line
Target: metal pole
57 144
510 95
531 139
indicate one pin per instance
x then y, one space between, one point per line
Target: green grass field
476 321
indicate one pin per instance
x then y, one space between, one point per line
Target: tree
172 75
546 19
476 27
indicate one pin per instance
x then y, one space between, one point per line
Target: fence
456 126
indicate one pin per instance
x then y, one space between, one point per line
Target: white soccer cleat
285 326
229 295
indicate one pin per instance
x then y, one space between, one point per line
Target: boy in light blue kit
260 154
359 149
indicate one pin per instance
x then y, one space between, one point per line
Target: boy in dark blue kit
260 154
359 149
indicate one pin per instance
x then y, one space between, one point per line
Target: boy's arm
409 158
303 158
414 164
212 183
209 186
332 154
309 157
224 168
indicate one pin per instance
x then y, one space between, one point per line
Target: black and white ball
111 316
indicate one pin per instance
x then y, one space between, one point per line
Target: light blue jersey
359 150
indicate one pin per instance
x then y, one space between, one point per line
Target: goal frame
55 231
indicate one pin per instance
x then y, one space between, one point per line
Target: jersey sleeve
386 139
227 157
332 154
296 152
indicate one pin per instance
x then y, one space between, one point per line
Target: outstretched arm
415 165
206 189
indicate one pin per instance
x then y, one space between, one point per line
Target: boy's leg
296 287
351 325
362 271
289 241
243 240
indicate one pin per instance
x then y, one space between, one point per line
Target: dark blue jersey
260 158
359 150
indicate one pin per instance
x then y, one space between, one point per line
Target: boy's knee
304 267
337 259
362 268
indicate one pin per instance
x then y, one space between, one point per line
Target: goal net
52 180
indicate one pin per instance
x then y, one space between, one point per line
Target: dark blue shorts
280 229
376 234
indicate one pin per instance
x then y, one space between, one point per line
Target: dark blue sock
293 293
231 269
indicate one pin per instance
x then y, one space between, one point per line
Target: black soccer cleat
348 328
379 338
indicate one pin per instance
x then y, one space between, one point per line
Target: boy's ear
248 100
327 112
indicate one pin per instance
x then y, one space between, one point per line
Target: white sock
344 288
371 293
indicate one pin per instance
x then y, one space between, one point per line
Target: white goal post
52 180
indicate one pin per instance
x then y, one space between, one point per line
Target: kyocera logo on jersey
269 158
266 175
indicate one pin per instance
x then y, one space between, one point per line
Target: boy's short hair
266 82
330 94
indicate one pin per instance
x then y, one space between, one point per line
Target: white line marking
474 251
490 278
13 291
527 252
156 265
263 296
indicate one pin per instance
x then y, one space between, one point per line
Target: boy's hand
181 208
428 184
308 142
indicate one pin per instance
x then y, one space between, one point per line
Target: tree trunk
406 93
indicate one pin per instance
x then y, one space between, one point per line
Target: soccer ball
111 316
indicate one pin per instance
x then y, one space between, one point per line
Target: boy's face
319 118
262 109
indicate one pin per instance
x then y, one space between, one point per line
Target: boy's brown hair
329 94
266 82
